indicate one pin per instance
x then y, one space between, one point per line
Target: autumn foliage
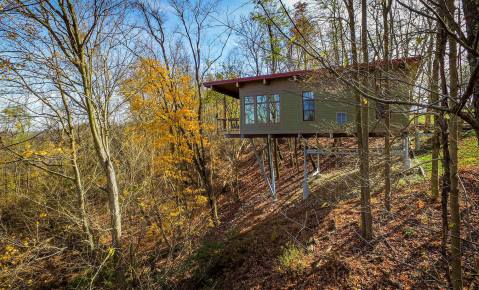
164 109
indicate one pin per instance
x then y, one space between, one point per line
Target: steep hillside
295 244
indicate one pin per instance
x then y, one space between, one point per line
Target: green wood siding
331 97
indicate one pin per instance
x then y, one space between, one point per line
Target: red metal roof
228 86
258 78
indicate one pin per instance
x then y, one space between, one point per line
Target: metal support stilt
260 161
271 168
406 159
305 172
317 157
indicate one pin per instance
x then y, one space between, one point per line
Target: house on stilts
321 103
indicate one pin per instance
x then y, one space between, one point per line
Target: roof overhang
231 87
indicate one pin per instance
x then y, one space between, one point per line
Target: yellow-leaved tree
164 110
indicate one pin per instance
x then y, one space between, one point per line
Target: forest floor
287 244
316 243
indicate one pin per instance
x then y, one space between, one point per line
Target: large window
341 118
308 106
249 110
262 109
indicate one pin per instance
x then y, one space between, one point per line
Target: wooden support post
305 172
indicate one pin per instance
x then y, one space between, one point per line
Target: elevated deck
228 126
237 134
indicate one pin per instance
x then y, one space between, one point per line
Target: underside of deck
302 135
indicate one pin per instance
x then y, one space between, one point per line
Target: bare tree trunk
310 158
213 208
471 18
445 183
81 196
431 58
456 274
387 161
76 169
354 53
364 156
203 162
344 58
441 48
205 175
434 98
100 141
335 35
387 120
291 152
272 47
75 51
276 153
456 271
268 156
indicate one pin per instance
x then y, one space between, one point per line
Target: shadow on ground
291 243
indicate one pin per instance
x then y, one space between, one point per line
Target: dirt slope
315 244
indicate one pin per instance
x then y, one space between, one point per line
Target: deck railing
228 125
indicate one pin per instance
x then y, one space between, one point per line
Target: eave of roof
224 86
258 78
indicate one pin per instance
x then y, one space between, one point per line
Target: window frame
268 101
264 104
251 103
312 101
273 102
345 118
